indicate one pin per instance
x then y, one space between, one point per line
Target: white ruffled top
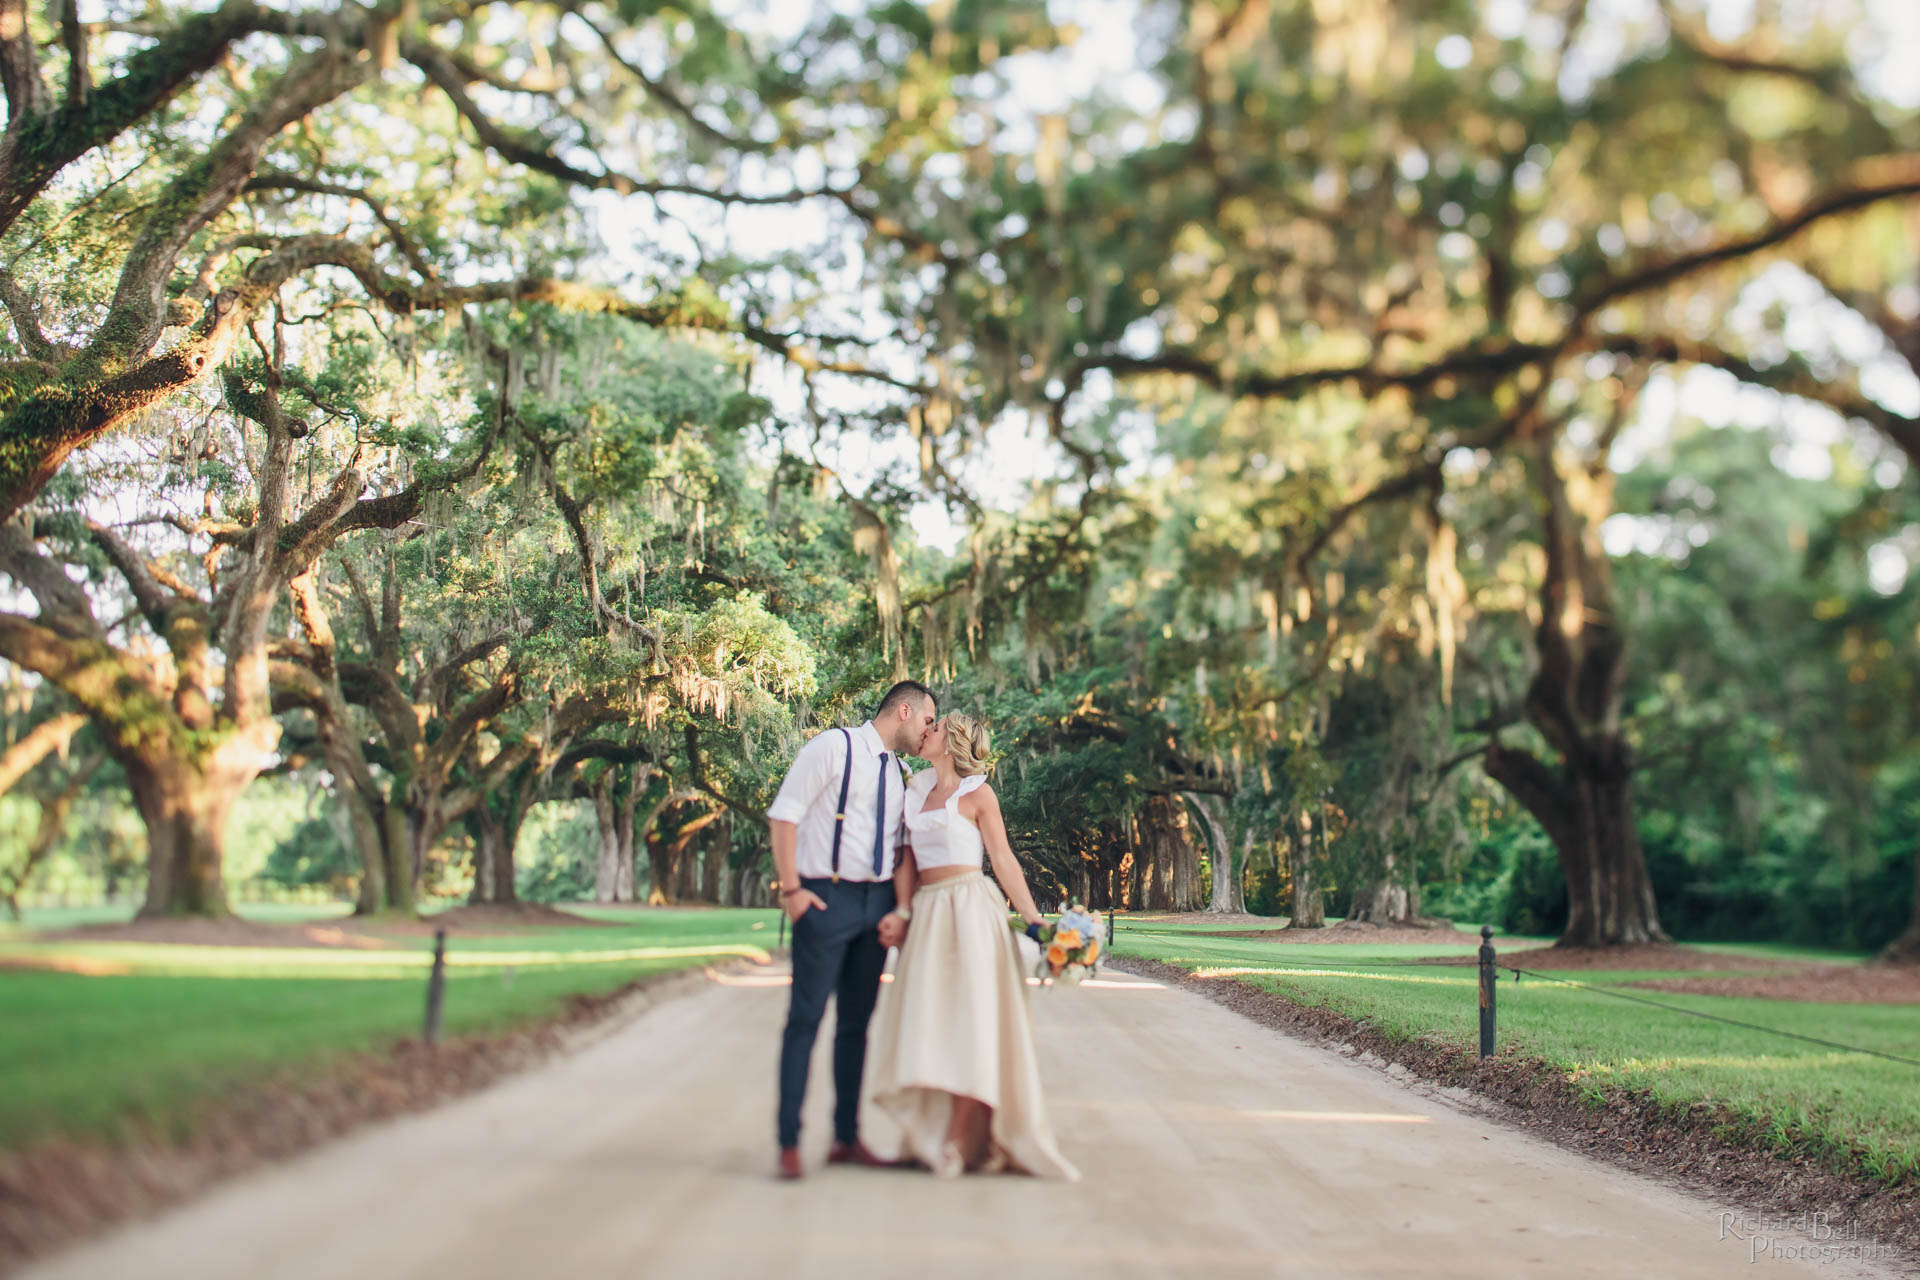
943 838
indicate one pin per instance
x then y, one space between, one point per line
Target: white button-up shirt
811 791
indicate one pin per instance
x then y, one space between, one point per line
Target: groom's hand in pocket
798 904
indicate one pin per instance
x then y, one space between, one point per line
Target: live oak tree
193 725
1328 334
1776 701
479 93
595 606
155 214
1323 214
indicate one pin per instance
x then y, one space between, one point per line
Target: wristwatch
905 913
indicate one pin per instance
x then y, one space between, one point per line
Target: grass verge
1849 1112
107 1040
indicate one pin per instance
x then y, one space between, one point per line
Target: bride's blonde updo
969 743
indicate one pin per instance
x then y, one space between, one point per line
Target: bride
952 1047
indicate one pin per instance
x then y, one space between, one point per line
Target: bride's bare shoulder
979 798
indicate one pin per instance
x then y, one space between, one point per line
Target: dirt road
1211 1147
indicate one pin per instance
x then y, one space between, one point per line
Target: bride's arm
906 877
893 925
1006 867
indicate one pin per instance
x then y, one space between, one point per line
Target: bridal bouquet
1070 946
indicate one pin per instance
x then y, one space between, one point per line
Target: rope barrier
1317 963
1714 1017
1446 962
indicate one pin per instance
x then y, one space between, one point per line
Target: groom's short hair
901 692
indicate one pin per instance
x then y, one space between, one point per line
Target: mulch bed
1699 1150
1193 917
228 931
1824 984
61 1190
491 919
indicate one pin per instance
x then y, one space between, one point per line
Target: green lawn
1852 1109
150 1030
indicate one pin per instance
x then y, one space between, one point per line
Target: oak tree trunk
1905 949
1390 900
719 847
363 827
1173 862
627 875
663 860
186 816
1309 902
1584 801
493 870
1228 895
606 875
386 861
1587 811
402 885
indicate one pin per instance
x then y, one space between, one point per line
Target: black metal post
436 987
1488 981
1110 910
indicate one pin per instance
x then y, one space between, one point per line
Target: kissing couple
872 857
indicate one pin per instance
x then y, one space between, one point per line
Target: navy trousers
836 952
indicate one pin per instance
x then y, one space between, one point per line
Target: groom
836 830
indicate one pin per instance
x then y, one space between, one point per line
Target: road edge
61 1191
1692 1152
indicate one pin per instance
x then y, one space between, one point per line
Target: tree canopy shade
1434 243
473 406
221 191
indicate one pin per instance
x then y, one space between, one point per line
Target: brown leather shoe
856 1152
790 1167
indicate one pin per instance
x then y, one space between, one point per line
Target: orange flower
1068 938
1057 956
1093 952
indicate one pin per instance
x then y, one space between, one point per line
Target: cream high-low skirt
955 1021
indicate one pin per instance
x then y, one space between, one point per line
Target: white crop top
943 838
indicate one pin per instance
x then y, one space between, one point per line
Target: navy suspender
840 810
